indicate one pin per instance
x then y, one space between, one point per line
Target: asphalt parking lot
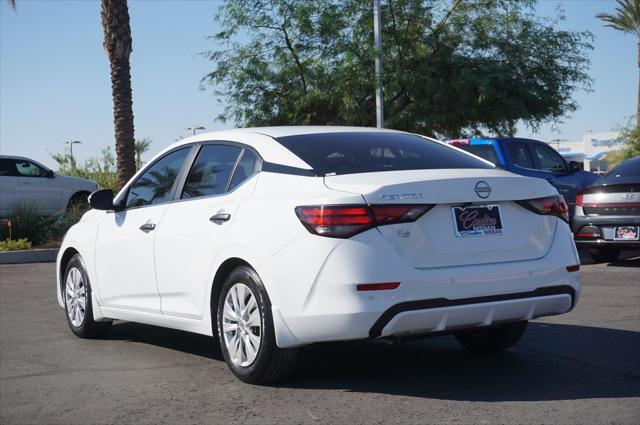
583 367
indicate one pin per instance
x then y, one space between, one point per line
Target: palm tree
13 4
117 45
626 19
141 147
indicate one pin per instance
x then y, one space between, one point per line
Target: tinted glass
629 168
8 167
487 152
520 155
548 159
210 172
29 169
364 152
154 185
245 169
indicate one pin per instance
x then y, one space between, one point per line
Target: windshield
365 152
487 152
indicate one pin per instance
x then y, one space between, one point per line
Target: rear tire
604 255
493 339
76 293
246 332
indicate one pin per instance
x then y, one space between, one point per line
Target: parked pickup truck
532 158
25 180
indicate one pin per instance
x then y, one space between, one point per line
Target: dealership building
592 150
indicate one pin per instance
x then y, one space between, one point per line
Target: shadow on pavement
626 259
551 362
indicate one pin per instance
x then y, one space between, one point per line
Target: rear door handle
220 217
147 227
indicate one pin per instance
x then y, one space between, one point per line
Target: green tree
449 67
142 146
630 134
626 19
100 169
117 44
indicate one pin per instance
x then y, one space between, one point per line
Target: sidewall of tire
254 373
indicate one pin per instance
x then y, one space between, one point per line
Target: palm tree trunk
117 44
123 120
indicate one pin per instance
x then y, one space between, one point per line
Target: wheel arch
68 253
226 267
76 195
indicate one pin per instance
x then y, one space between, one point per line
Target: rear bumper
438 299
605 227
439 314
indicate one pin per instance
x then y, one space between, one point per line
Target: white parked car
274 238
25 180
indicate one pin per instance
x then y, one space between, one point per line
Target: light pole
557 142
195 127
71 143
377 15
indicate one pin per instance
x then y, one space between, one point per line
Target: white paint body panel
165 277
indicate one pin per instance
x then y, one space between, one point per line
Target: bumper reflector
377 286
573 268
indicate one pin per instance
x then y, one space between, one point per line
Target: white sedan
23 180
274 238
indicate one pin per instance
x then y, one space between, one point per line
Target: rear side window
155 185
519 154
8 167
211 171
246 168
365 152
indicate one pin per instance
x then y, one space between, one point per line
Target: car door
36 184
8 182
193 228
125 267
555 170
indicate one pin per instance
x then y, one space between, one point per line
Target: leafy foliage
142 146
14 244
631 136
449 67
28 220
99 169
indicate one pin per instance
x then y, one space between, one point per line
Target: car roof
296 130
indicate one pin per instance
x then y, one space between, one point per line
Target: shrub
29 221
14 244
63 221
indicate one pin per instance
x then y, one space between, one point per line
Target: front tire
78 303
604 255
493 339
246 332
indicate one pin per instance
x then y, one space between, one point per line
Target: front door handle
147 227
220 217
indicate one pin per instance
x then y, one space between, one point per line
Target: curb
29 256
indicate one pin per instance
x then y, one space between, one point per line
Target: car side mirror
575 166
50 174
102 200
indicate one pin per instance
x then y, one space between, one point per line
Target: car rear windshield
365 152
487 152
630 168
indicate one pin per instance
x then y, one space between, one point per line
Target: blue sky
55 84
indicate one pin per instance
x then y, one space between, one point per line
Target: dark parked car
532 158
607 216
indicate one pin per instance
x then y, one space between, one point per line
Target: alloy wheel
75 297
242 325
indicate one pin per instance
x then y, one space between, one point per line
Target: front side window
29 169
155 185
365 152
211 171
520 155
548 159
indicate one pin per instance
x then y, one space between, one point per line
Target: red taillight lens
377 286
580 199
574 268
459 142
343 221
552 205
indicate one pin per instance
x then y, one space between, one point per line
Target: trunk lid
431 241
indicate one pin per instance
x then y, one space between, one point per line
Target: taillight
580 199
343 221
459 142
552 205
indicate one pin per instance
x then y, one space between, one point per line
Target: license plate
625 233
480 220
